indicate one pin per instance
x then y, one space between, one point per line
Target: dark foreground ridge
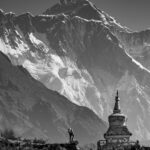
26 144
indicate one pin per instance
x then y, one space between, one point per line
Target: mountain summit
82 8
84 54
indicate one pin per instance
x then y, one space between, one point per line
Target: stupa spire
117 105
117 134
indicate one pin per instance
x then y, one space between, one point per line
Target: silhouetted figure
71 135
137 145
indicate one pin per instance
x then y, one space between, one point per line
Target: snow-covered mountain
33 111
83 53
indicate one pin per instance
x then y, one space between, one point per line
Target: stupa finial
117 105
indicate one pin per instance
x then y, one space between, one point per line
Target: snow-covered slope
76 49
137 44
33 111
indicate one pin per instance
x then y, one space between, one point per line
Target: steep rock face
137 44
31 110
80 55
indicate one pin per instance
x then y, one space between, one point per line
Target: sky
134 14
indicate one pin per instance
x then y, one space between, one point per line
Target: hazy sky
134 14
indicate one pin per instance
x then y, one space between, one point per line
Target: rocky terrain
7 144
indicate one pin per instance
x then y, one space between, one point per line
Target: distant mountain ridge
83 53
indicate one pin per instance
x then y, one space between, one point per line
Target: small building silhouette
117 136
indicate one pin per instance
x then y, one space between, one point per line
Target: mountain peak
81 8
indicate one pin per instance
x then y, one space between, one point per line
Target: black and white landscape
61 69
